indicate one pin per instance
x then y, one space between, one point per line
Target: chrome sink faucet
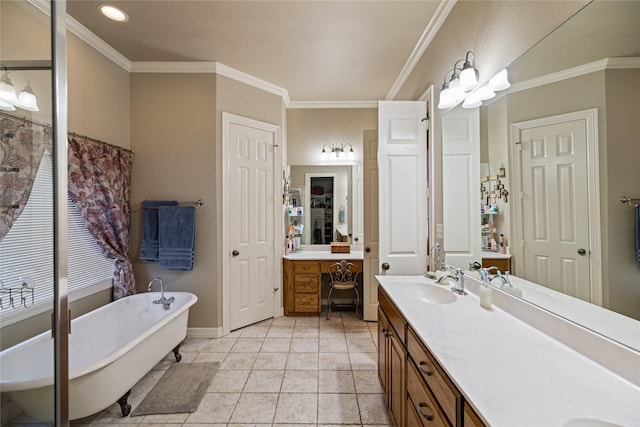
457 278
166 303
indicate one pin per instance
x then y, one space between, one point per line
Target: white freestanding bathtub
110 350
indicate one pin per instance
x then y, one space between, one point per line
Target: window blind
27 250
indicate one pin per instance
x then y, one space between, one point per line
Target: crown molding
332 104
211 67
423 43
86 36
580 70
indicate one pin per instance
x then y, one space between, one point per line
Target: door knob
385 266
367 249
235 252
581 252
355 239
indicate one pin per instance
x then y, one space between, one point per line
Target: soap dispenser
485 290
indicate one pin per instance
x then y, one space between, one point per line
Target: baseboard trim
204 333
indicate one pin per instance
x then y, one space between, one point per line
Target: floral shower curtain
22 145
99 186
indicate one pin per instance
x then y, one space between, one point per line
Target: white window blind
26 252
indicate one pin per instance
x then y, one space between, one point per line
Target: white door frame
590 117
226 211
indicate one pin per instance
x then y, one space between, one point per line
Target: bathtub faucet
166 302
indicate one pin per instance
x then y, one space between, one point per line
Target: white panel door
371 265
461 187
251 219
402 165
555 207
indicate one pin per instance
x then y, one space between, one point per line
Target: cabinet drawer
394 316
503 264
306 267
422 400
446 394
306 303
306 283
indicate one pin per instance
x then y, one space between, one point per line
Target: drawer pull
386 332
425 367
426 411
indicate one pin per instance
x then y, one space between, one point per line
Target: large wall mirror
331 200
587 71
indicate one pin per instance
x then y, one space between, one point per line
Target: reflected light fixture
337 152
113 13
500 81
9 101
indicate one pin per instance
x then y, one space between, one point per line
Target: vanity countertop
510 372
323 255
495 255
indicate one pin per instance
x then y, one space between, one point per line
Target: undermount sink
435 295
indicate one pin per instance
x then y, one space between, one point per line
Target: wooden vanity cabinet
392 360
302 285
417 390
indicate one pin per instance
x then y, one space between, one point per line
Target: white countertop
495 255
511 373
324 255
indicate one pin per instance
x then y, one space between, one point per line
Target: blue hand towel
638 235
177 232
149 248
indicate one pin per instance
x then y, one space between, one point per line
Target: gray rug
180 389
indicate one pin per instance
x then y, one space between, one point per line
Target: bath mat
180 389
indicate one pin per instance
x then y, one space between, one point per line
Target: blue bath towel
638 235
177 232
149 248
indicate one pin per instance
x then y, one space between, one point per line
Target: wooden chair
344 276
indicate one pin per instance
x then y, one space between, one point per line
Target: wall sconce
460 87
336 152
8 98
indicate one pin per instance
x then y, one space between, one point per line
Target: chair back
344 272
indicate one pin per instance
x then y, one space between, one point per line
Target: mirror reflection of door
321 207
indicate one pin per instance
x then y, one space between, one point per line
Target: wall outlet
439 231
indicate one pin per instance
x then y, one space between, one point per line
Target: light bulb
468 78
27 100
484 92
7 90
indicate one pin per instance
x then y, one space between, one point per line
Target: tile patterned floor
287 371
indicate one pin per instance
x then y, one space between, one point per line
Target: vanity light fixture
26 99
113 13
460 87
336 151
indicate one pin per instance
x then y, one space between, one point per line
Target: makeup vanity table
302 276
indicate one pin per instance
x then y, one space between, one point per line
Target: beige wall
173 135
622 170
98 92
178 157
310 129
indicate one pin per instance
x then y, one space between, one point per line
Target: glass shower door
32 250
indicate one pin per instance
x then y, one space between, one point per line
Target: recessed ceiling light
114 13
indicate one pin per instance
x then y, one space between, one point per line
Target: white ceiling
319 51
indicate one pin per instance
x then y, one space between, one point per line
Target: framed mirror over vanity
566 132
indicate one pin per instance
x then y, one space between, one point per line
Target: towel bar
200 202
632 201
